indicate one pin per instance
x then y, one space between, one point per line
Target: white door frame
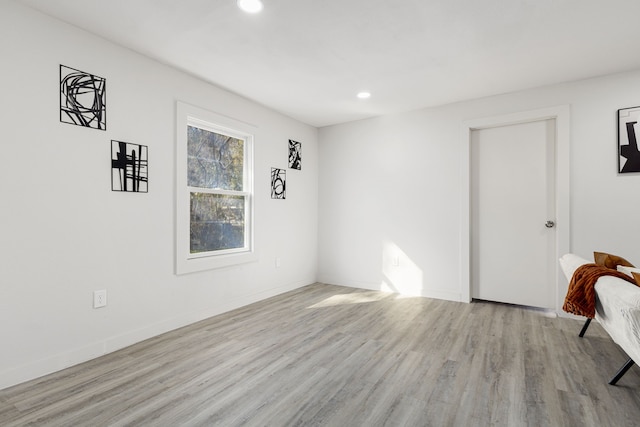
562 116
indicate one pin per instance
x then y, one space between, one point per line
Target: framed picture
628 154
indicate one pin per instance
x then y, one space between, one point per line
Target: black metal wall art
278 183
129 167
295 155
82 98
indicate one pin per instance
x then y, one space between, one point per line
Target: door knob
549 224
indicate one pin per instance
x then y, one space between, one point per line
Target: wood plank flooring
333 356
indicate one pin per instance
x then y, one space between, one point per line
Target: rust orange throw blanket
581 295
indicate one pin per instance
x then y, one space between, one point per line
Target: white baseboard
51 364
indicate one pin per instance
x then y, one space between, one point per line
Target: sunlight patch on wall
400 274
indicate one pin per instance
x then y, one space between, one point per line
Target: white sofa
617 310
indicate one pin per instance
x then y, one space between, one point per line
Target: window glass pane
217 222
214 160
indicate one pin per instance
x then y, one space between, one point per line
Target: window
214 218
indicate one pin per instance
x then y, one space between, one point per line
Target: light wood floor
335 356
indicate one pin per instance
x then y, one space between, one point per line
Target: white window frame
187 262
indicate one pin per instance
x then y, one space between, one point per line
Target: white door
512 200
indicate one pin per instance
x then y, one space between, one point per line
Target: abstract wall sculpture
295 155
278 183
129 167
82 98
628 153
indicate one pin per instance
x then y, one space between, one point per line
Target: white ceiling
309 58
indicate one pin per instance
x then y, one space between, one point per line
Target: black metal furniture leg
628 364
584 328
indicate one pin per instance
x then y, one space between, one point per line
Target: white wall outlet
278 262
100 298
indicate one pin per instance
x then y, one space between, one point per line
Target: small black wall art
82 98
628 154
278 183
129 167
295 155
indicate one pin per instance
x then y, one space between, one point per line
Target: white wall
66 234
391 188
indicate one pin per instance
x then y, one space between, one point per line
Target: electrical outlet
100 298
278 262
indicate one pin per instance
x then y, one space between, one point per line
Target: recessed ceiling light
250 6
364 95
